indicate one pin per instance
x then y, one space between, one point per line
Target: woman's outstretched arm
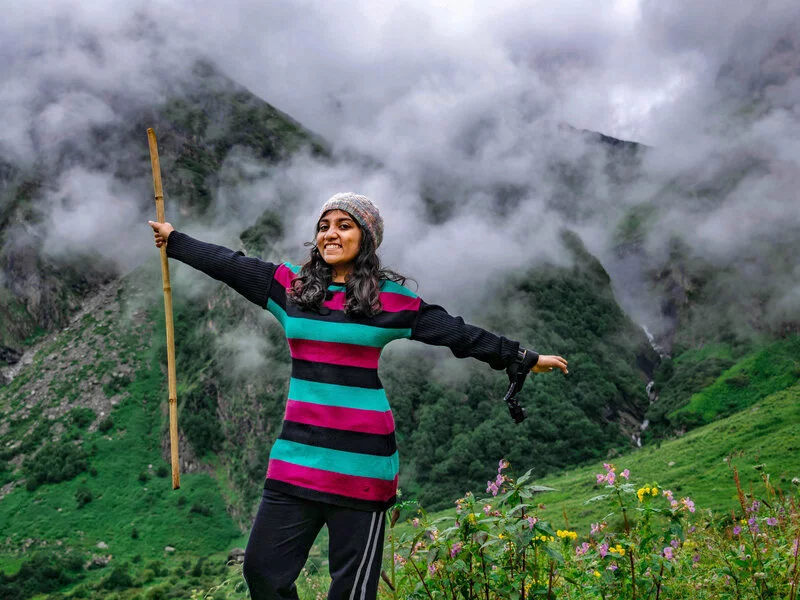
435 326
249 276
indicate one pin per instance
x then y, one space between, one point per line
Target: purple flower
696 558
772 521
737 530
491 486
754 506
753 524
668 553
503 464
455 549
432 569
415 522
612 567
531 522
626 474
603 549
688 504
500 479
582 549
611 477
487 508
674 543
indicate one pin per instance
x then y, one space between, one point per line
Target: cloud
456 102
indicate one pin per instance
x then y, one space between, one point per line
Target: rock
169 549
102 545
98 562
236 555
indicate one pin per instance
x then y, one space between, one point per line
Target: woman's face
338 240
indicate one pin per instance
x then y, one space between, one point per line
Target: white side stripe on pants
371 558
364 558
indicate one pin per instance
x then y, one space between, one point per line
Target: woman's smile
338 242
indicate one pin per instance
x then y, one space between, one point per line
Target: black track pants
282 535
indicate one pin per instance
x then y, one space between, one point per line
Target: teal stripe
277 311
346 333
293 268
337 461
393 286
331 394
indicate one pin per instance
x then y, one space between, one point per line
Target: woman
335 461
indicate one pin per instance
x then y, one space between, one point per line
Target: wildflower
737 530
415 522
674 543
565 534
612 567
432 569
399 560
692 529
667 553
455 549
491 487
503 464
418 546
610 477
618 549
626 474
598 527
753 524
688 504
603 549
531 522
600 478
645 491
696 558
668 495
582 549
500 479
471 518
433 534
754 507
487 508
772 521
597 574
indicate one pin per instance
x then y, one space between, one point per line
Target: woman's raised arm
251 277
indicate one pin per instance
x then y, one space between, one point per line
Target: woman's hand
162 231
546 363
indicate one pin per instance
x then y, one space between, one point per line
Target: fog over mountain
475 106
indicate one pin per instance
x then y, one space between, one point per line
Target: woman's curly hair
362 287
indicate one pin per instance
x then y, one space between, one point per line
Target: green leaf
597 498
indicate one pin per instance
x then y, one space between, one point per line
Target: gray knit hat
362 210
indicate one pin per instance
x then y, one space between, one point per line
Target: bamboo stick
173 392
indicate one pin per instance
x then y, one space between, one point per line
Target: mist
460 102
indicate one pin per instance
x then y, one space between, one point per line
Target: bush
200 509
83 496
118 579
54 463
143 476
106 425
162 471
81 417
135 534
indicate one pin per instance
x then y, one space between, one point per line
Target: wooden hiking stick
173 392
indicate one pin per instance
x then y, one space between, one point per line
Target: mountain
82 403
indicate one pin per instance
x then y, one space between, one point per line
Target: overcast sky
462 96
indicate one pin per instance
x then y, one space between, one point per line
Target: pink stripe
335 353
338 417
390 302
284 276
352 486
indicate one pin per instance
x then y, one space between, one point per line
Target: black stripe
336 374
328 498
338 439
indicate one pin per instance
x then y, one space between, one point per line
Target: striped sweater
337 443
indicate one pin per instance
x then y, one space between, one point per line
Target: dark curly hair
362 287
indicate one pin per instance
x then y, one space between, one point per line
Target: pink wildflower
667 494
674 543
500 479
531 521
597 528
455 549
487 509
772 521
415 522
582 549
612 567
611 477
503 464
491 487
688 504
603 549
432 569
737 530
668 553
600 478
399 560
626 474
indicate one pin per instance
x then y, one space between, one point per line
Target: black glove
517 372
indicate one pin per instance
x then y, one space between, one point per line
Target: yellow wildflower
597 574
655 492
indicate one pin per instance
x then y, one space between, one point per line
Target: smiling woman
335 461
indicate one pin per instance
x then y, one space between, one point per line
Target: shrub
162 471
54 463
81 417
135 534
83 496
106 425
143 476
118 579
200 509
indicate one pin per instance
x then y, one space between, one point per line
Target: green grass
120 500
762 439
759 374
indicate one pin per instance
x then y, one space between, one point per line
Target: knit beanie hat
361 209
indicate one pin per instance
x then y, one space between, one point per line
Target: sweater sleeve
249 276
436 327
